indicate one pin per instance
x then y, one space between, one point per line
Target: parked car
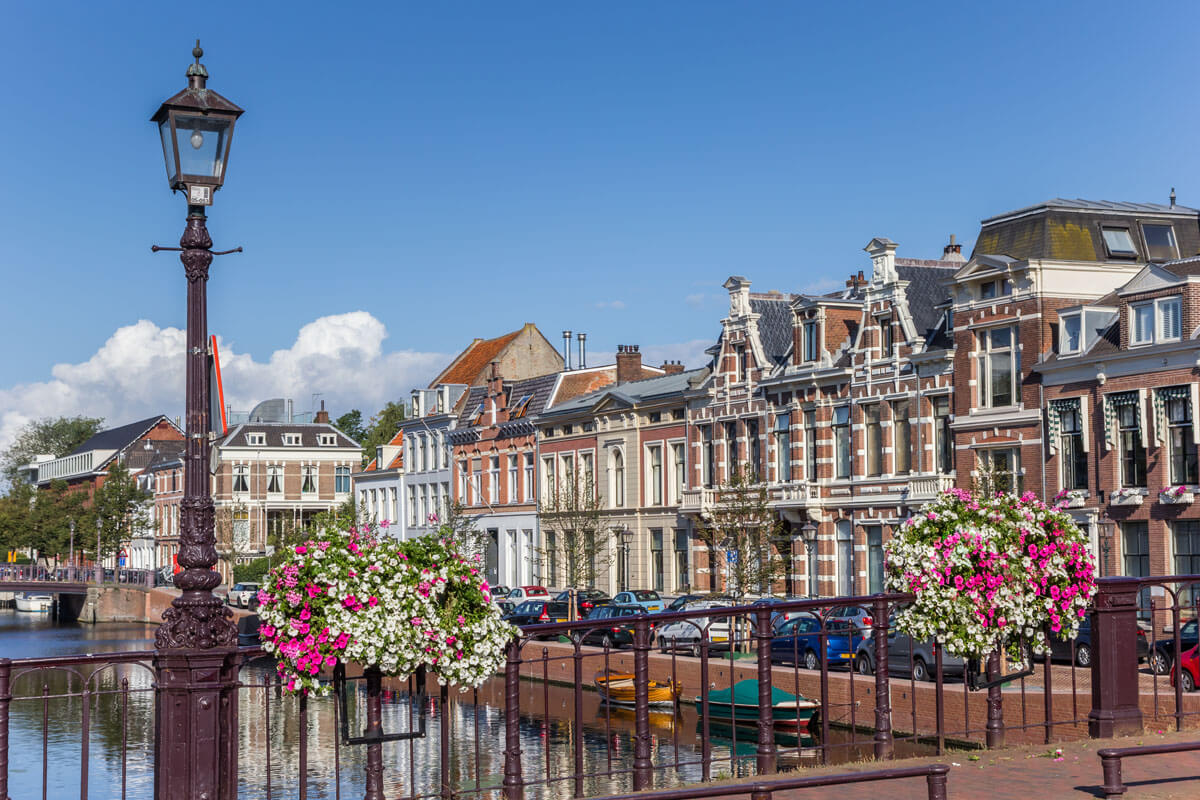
586 599
861 616
645 598
1061 651
1190 675
615 625
798 641
906 656
241 593
679 602
538 612
1162 652
527 592
685 634
778 618
500 592
506 606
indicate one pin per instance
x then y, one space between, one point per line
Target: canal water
46 734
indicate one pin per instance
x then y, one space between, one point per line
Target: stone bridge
90 594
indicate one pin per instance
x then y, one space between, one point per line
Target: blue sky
457 169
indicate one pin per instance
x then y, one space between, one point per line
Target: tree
55 436
573 534
41 519
232 542
121 507
741 530
382 428
459 528
351 424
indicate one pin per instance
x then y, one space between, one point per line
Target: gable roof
121 437
467 365
274 431
397 460
634 392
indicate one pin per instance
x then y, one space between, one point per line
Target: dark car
538 612
506 606
614 625
1162 653
908 657
798 641
586 599
1061 651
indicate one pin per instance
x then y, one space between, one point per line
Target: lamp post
99 563
196 708
71 547
626 541
809 531
1108 529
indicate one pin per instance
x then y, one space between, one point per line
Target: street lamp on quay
1108 530
196 643
626 541
809 533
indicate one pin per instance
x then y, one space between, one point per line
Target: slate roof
539 387
1184 267
160 452
472 361
274 434
121 437
926 291
1099 206
774 324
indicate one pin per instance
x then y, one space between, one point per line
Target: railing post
5 700
374 769
765 759
994 730
1115 710
884 746
642 766
935 781
514 784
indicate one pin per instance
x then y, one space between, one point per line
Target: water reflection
120 710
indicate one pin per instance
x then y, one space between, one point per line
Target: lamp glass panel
164 130
201 143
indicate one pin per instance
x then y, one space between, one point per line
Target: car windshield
646 595
1189 629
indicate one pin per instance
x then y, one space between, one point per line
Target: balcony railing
697 501
929 487
791 494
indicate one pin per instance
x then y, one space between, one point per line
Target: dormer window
810 341
987 290
1070 340
327 439
518 410
475 415
1160 242
1118 242
291 439
256 439
1155 321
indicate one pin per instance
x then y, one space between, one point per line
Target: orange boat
618 688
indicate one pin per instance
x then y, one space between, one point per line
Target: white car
241 593
686 634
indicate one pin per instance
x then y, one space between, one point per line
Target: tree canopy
382 428
55 436
351 424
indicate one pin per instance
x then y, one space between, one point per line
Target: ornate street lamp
196 663
1108 530
626 541
809 533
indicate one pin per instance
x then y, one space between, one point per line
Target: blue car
798 641
645 598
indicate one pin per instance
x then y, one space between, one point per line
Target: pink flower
374 601
301 549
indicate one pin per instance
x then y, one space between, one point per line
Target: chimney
582 338
854 281
495 393
322 415
1172 197
953 251
672 367
629 363
566 349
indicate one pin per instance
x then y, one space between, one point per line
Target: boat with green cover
739 705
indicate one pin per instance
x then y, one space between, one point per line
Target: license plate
845 655
719 639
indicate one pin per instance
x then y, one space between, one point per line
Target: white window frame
275 470
1157 318
307 472
528 473
985 352
494 479
1064 339
291 440
241 471
654 485
513 471
256 439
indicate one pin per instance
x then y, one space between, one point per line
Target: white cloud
690 354
616 305
140 372
695 300
823 286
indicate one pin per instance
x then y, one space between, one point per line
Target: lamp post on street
1108 529
99 563
809 531
626 540
196 749
71 547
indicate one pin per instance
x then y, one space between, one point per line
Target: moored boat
739 705
35 603
618 688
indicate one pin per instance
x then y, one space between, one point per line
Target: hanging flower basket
991 573
355 597
1176 495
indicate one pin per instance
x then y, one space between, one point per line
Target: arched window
617 460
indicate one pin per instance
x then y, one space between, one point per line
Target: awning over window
1114 401
1054 420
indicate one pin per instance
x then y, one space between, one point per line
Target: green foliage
351 424
459 529
251 572
42 519
743 523
382 428
55 436
120 505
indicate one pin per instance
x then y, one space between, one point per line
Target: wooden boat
618 688
738 705
36 603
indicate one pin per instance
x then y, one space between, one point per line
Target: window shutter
1084 424
1195 398
1141 413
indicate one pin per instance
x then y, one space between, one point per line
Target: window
587 473
743 364
998 368
874 441
393 507
887 341
987 290
1133 451
528 476
308 480
710 457
901 438
679 459
412 506
810 341
1169 323
1071 446
1187 555
845 557
1160 242
1000 470
551 558
656 416
462 482
731 449
475 415
494 479
291 439
241 482
682 577
256 439
476 477
426 505
1135 552
657 563
755 446
326 439
549 485
1183 443
810 445
783 447
677 414
341 480
1118 242
841 441
617 459
274 479
874 559
1069 338
655 457
943 435
568 430
512 479
519 408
